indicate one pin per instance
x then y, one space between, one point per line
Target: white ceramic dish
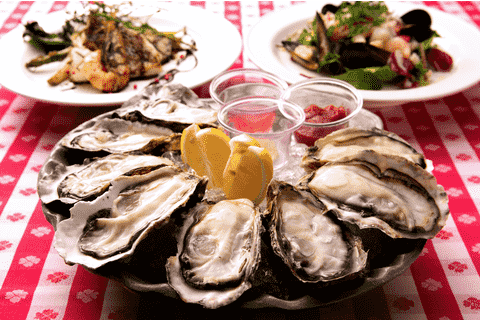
458 37
218 41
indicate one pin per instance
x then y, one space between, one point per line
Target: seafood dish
106 48
366 45
124 205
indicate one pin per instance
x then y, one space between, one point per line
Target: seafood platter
126 207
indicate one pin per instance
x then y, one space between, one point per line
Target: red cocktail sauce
314 114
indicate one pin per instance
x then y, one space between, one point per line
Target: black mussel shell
363 55
334 68
323 42
418 32
290 45
417 17
417 25
329 8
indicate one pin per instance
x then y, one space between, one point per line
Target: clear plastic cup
323 92
245 83
270 121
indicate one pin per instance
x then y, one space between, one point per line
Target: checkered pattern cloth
35 283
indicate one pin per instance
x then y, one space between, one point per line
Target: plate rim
372 98
24 86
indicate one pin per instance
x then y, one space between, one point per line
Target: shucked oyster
381 191
349 141
174 106
110 227
71 183
119 136
218 251
313 243
94 177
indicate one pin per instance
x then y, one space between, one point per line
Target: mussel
417 25
309 56
355 55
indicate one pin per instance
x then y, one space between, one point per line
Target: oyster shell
312 243
110 227
349 141
174 106
386 192
120 136
70 184
95 177
218 252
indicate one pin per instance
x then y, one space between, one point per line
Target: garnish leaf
361 79
359 16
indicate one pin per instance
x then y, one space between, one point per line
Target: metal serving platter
144 271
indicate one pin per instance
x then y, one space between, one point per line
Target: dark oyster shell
313 244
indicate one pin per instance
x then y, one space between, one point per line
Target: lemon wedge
249 170
206 151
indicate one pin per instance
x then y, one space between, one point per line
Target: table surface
35 283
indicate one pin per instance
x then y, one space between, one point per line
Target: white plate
458 37
218 41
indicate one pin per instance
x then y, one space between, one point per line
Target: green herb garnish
361 79
359 16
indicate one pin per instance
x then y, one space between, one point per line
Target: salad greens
359 17
349 21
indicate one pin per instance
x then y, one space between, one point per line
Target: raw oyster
348 141
174 106
218 252
70 183
110 227
119 136
95 177
315 245
381 191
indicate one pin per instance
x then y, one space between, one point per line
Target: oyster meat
218 252
349 141
94 177
110 227
386 192
315 245
119 136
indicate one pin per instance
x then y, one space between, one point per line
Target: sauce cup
245 83
270 121
323 92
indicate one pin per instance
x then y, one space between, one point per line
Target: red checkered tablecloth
35 283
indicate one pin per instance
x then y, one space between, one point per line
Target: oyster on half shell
110 227
174 106
95 177
315 245
349 141
386 192
218 252
120 136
